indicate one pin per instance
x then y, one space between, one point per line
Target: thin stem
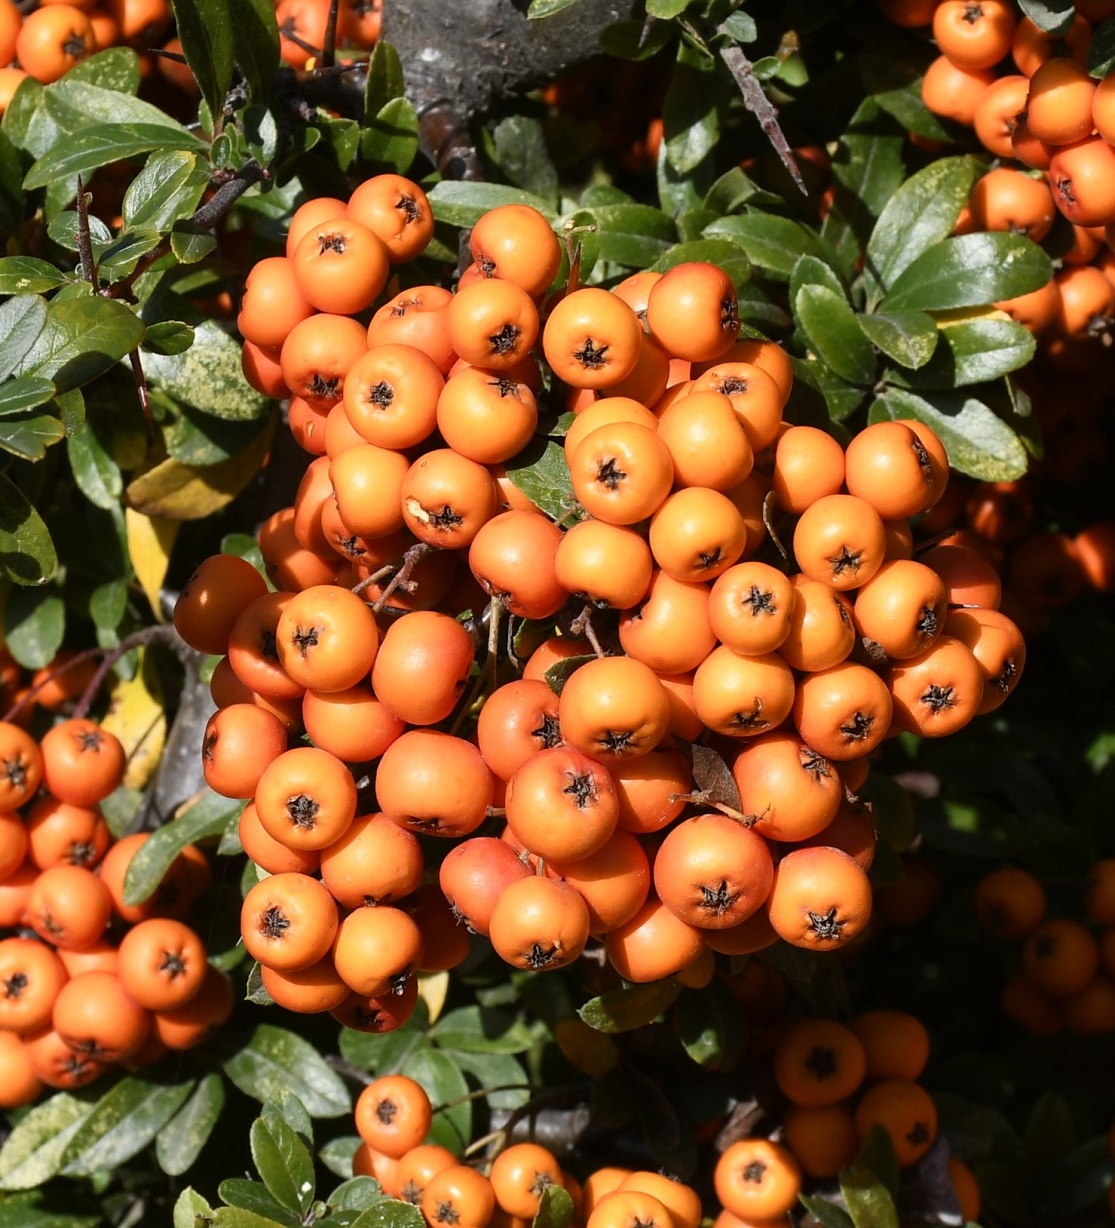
401 578
374 578
84 238
142 391
480 686
582 625
329 50
26 698
756 101
163 633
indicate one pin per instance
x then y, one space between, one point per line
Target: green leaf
34 624
284 1163
389 1213
241 1217
273 1059
168 337
1053 16
390 139
83 338
867 1198
64 229
180 1141
122 1124
772 243
727 256
666 10
632 40
191 1210
255 45
978 442
463 203
32 1152
918 215
711 1027
633 235
12 199
517 144
1101 49
199 439
208 816
167 189
255 1199
189 244
740 26
826 1213
96 473
907 337
970 270
27 554
479 1029
974 352
833 332
205 28
809 270
555 1209
121 256
561 671
356 1194
691 122
27 275
40 1209
444 1084
841 399
547 8
29 434
208 376
541 472
496 1070
23 393
624 1010
21 321
24 105
385 79
101 144
868 169
876 1155
336 1155
75 104
115 68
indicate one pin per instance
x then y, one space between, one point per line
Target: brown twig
84 238
161 634
329 49
401 578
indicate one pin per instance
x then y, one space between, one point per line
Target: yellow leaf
960 315
150 542
137 717
190 492
432 989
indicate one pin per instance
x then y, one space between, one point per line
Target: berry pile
663 611
87 981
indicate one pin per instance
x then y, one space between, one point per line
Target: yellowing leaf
433 987
150 542
137 717
958 315
190 492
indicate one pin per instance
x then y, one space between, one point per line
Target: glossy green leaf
22 108
120 257
462 203
478 1029
541 472
122 1124
168 337
385 79
64 229
76 104
284 1163
389 1213
83 338
208 816
666 10
390 140
690 119
273 1059
725 255
740 26
43 1209
356 1194
32 1152
167 189
114 68
970 270
28 275
21 321
200 439
446 1087
191 1210
23 393
254 1198
180 1141
561 671
834 334
979 443
208 375
502 1072
205 28
99 145
624 1010
1101 49
876 1151
918 216
868 1200
826 1213
867 169
34 624
1053 16
255 45
841 398
711 1027
907 337
517 144
974 352
336 1155
95 471
772 243
12 199
268 1216
29 434
633 235
189 244
809 270
555 1209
